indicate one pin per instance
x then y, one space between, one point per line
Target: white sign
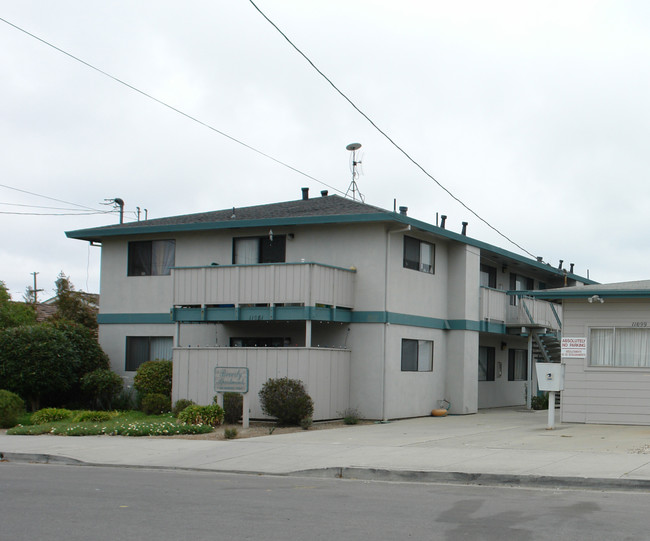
575 348
231 380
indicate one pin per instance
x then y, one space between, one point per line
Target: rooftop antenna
354 168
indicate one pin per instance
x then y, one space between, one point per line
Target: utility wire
385 134
80 213
36 206
186 115
50 198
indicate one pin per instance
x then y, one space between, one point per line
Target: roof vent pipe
403 210
464 231
571 269
560 265
323 193
540 259
443 219
305 193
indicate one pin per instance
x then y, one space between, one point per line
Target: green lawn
127 423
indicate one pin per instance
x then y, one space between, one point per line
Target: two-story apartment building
372 309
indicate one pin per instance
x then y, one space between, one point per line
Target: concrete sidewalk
500 446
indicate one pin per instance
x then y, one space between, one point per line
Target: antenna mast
354 166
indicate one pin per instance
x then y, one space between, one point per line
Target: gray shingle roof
332 205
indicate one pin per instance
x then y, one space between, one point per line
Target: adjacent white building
607 378
372 309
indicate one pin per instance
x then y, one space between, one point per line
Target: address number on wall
639 324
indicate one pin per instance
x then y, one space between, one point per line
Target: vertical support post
245 412
551 410
529 394
220 399
308 333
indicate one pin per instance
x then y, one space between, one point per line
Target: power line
80 213
47 197
35 206
186 115
413 161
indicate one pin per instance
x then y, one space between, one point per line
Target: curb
381 475
482 479
37 458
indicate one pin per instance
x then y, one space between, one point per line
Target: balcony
324 371
496 307
262 291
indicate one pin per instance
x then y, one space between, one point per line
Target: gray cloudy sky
535 114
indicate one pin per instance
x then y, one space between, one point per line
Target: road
69 503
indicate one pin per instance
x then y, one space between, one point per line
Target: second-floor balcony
517 310
285 284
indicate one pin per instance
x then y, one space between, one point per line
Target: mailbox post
550 377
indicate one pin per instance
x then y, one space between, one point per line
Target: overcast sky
535 114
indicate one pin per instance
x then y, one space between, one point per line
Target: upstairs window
417 355
419 255
520 283
151 257
251 250
488 276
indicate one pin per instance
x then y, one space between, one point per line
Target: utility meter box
550 376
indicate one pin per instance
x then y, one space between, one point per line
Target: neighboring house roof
638 289
331 209
44 311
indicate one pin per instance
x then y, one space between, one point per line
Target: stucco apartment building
372 309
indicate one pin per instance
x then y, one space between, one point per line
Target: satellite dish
354 166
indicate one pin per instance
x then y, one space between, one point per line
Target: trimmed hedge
202 415
155 403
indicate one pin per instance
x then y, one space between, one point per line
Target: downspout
386 267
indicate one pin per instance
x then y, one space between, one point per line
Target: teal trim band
299 313
125 319
585 293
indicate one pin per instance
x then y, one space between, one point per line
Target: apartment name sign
574 348
231 379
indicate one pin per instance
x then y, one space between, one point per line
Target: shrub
50 415
230 433
154 377
539 402
11 407
202 415
101 386
94 416
181 405
155 403
125 400
350 416
286 400
306 423
232 406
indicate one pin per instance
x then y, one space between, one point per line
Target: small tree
76 306
14 314
286 400
44 363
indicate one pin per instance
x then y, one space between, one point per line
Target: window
151 257
520 283
140 349
488 276
251 250
517 365
419 255
417 355
486 356
260 342
620 347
